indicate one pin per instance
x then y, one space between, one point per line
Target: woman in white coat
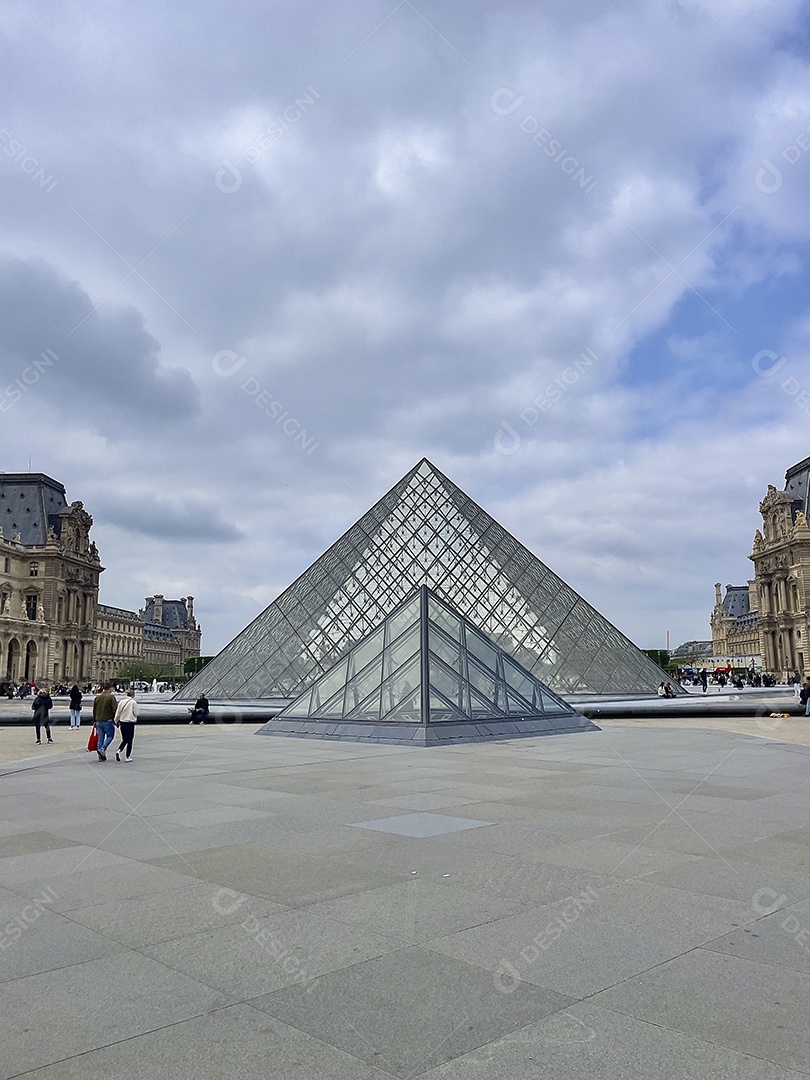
126 716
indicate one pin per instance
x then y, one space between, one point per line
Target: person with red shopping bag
104 706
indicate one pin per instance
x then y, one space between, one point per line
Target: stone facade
163 634
770 616
781 560
52 628
49 575
735 623
170 632
118 641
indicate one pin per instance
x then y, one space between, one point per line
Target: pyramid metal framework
426 675
427 531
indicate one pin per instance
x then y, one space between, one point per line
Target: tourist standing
104 706
75 706
42 705
126 716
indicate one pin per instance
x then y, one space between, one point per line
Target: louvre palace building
769 617
52 627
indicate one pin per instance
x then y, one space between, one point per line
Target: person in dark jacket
42 705
199 714
75 706
104 706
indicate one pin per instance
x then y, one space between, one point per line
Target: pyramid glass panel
407 711
401 686
423 676
426 531
405 646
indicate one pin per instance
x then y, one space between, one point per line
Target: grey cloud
104 358
188 520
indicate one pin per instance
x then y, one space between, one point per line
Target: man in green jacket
104 706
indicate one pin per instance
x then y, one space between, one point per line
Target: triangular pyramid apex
425 467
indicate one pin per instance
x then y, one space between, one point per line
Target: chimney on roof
718 599
158 616
190 608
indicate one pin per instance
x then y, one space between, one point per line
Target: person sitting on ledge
200 710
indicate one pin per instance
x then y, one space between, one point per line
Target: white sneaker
128 760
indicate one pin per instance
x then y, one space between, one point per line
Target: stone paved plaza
632 903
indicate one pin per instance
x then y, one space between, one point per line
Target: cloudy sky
257 259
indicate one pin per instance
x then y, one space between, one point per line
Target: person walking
704 680
75 707
104 707
126 717
42 705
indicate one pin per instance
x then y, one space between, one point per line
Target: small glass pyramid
427 531
426 667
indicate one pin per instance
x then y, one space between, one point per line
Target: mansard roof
174 614
29 504
737 601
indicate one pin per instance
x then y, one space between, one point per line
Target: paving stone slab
89 887
34 940
749 1007
17 869
606 855
30 843
261 954
294 880
732 876
44 1018
451 1008
235 1043
562 947
174 913
529 883
417 910
585 1042
421 824
781 939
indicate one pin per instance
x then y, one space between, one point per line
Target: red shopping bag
92 742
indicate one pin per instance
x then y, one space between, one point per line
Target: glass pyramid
426 674
427 531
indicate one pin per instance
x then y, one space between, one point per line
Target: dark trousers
39 722
127 735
